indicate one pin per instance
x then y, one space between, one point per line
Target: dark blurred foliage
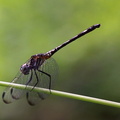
89 66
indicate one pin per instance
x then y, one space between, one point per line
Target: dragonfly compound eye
25 69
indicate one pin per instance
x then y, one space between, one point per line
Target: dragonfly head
25 69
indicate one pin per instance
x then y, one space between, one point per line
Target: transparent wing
47 74
43 77
10 94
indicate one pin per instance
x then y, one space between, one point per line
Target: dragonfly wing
33 97
6 96
51 68
45 76
10 94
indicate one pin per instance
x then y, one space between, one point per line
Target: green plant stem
63 94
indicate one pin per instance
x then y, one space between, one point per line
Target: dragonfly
39 71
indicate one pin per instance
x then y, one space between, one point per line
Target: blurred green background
89 66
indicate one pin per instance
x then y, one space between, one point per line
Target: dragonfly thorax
25 68
33 63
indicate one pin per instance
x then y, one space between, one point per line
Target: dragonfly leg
36 78
48 76
30 78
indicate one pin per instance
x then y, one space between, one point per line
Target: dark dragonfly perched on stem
40 70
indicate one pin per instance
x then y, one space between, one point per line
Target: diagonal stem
63 94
